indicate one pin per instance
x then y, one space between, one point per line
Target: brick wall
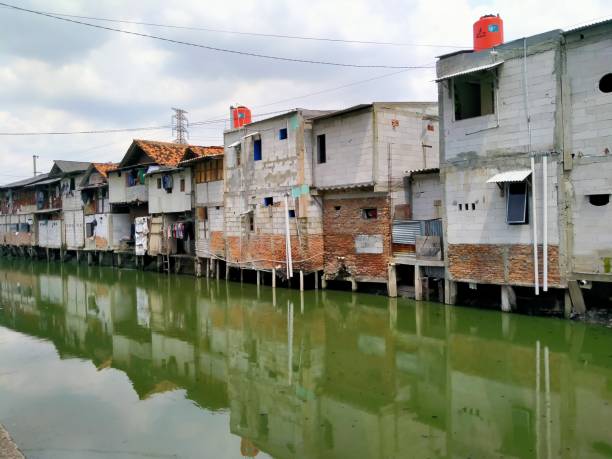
500 264
341 226
267 251
217 243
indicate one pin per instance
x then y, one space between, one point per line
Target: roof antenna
180 126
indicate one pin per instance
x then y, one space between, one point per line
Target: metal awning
251 135
47 211
468 71
44 182
510 176
235 144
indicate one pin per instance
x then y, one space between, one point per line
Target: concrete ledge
8 448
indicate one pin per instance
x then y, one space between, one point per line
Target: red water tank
240 116
488 32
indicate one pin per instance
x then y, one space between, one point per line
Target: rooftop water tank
488 32
240 116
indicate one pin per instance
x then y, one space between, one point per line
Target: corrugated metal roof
45 182
349 186
510 176
24 182
468 71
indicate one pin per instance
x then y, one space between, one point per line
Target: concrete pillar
301 281
418 283
578 305
323 282
450 291
392 281
273 277
508 298
100 258
258 277
567 310
353 284
207 268
198 267
48 254
316 280
241 275
78 256
89 257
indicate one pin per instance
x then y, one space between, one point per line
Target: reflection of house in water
376 379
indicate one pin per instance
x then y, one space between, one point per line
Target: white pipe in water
288 241
534 213
545 221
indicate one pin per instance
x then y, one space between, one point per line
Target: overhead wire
214 48
253 34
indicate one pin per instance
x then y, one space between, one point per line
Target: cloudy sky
59 76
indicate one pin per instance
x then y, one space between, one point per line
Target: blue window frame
282 134
257 150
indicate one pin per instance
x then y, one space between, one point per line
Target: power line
213 48
254 34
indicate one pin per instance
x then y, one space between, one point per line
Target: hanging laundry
141 176
167 182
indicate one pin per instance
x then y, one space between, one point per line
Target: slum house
526 166
104 230
128 189
363 157
18 202
207 185
272 218
171 191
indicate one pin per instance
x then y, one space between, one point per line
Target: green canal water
96 362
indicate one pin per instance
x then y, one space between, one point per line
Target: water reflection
329 374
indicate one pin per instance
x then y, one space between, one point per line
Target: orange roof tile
103 168
206 151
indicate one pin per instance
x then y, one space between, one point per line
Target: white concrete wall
120 229
50 234
426 197
209 193
487 223
480 137
74 229
71 200
119 192
349 149
160 201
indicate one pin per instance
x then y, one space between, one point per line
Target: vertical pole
288 241
316 280
273 277
392 281
547 401
301 280
537 416
534 213
418 283
545 221
290 341
258 277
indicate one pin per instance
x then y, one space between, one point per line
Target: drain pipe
536 268
288 241
545 222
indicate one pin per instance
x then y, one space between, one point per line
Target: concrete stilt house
273 220
526 168
103 230
362 160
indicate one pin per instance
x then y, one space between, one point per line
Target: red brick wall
267 251
217 243
501 264
340 228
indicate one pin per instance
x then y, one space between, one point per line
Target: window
516 203
268 201
238 153
605 84
282 134
369 214
321 149
159 183
460 206
72 184
599 200
474 95
182 185
291 213
257 150
251 221
209 170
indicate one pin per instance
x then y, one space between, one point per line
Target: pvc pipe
537 396
288 241
536 270
545 221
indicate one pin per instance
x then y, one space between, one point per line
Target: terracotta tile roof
206 151
103 168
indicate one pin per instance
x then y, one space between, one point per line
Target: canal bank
8 448
101 361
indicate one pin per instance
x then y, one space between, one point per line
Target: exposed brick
340 228
501 264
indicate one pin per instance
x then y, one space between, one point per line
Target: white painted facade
177 200
426 191
120 193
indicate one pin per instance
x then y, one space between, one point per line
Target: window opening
257 150
182 185
369 214
321 149
159 183
474 95
599 200
268 201
291 213
605 84
282 134
516 203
